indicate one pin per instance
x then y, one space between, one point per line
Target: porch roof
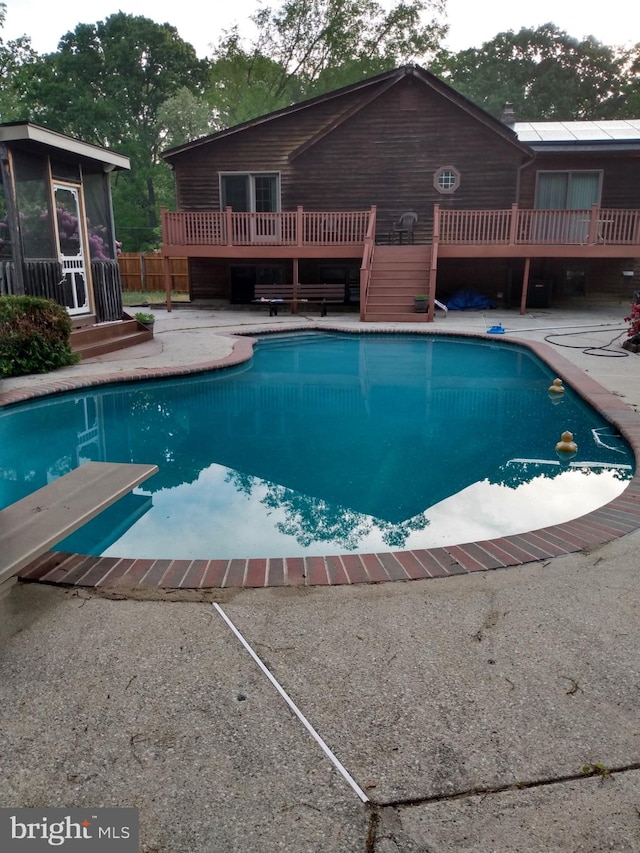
35 136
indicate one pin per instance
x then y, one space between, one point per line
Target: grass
137 297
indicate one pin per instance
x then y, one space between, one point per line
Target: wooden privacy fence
144 273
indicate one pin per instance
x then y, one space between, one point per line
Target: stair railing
433 263
367 262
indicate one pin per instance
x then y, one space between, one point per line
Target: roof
371 87
623 134
36 136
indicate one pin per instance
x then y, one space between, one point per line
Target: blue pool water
325 443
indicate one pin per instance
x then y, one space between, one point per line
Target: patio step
101 338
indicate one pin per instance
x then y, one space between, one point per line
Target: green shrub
34 336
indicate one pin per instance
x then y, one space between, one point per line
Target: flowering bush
634 322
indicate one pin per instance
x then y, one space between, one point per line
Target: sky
471 23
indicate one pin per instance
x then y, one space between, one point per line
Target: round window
447 179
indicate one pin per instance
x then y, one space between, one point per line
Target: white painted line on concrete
314 734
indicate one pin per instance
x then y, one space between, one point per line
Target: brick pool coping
611 521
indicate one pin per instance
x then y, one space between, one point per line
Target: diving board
32 525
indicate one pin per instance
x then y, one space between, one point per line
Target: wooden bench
31 526
274 295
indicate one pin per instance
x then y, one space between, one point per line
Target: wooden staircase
398 273
90 339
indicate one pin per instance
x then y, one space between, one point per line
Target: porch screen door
71 248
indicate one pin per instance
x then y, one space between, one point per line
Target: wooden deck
514 231
285 234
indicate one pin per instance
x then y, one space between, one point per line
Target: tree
306 47
630 61
108 83
545 73
243 84
184 117
16 57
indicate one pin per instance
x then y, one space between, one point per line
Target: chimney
508 115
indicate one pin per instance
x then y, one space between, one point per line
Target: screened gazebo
57 237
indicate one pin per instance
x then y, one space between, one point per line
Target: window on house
568 190
446 179
259 192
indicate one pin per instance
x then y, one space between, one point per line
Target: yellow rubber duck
566 447
557 387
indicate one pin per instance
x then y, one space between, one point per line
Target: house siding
385 153
388 155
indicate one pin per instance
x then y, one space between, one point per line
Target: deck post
593 224
228 225
299 228
167 281
513 225
296 283
525 286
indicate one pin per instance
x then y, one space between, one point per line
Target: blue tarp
469 299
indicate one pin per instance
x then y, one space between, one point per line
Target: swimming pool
326 443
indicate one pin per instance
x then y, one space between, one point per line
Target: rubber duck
566 447
557 387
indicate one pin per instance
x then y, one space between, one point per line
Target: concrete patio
496 711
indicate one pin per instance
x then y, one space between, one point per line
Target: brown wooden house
310 197
57 236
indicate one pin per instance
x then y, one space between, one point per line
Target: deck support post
525 286
296 283
167 281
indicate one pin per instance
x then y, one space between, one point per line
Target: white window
446 179
257 192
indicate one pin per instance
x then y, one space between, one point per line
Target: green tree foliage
108 83
545 73
630 100
183 117
306 47
16 60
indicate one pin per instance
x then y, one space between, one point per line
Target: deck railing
514 226
284 228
